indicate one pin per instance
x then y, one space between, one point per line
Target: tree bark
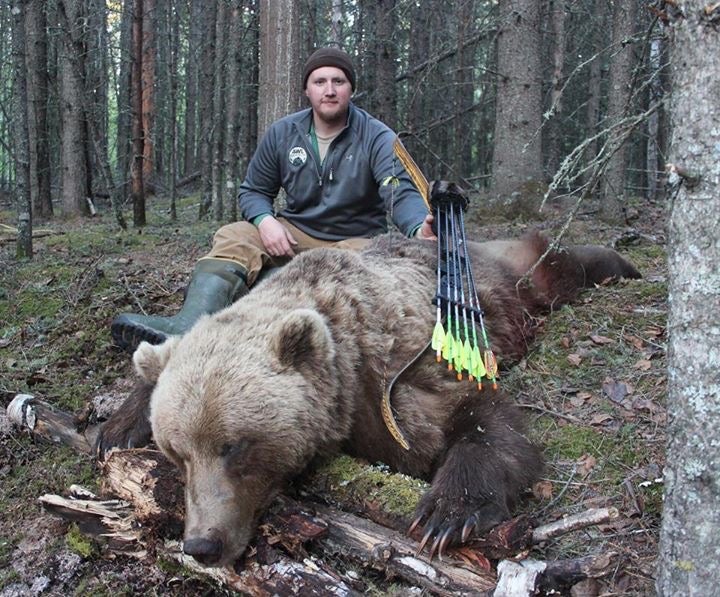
233 76
280 61
218 95
191 87
24 247
689 562
148 90
137 183
619 94
554 126
38 83
124 102
464 90
75 188
517 157
205 106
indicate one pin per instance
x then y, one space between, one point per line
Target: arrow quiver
459 336
459 315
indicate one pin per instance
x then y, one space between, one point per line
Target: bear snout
207 551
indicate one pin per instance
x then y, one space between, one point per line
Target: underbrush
593 384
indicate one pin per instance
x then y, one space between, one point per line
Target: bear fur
296 369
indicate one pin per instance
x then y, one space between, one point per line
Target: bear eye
232 451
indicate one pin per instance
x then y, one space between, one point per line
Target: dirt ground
594 385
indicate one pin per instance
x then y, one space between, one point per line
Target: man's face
329 91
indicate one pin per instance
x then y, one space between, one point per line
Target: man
340 174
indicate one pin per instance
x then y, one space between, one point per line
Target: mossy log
360 521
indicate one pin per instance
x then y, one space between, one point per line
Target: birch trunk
689 562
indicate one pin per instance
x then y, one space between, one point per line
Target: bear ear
303 339
151 359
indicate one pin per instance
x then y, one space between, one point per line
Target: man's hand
276 238
425 231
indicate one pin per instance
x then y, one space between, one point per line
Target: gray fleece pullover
348 195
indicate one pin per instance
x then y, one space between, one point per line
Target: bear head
239 405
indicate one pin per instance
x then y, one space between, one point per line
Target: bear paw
451 520
122 432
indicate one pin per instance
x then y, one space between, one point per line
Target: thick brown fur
246 399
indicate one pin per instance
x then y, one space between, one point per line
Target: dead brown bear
251 395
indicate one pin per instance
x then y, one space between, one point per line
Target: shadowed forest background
121 100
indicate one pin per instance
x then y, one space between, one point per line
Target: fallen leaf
597 339
615 390
574 359
565 341
638 343
543 490
576 401
600 419
654 332
643 365
586 463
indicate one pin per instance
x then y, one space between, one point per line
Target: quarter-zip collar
306 129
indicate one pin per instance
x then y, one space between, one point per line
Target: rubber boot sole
128 334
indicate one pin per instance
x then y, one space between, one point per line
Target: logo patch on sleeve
297 156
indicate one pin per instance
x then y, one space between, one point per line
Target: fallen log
535 577
116 525
574 522
139 476
297 536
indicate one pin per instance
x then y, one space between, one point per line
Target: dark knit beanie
330 57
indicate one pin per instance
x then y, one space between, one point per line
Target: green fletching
466 352
448 347
458 355
477 365
438 337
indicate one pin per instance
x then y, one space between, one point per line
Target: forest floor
594 385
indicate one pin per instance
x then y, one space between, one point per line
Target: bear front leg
129 425
488 463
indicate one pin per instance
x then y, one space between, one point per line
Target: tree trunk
232 111
655 148
173 31
419 53
336 22
517 158
280 61
137 183
205 106
96 106
75 189
464 90
24 248
37 85
619 94
124 102
148 90
191 87
555 124
594 90
689 562
385 55
218 95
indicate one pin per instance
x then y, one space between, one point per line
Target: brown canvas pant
240 243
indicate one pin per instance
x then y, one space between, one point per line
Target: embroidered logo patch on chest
297 156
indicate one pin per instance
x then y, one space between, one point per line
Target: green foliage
79 543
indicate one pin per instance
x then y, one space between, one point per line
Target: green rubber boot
215 283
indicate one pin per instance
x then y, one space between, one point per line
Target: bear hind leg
488 463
